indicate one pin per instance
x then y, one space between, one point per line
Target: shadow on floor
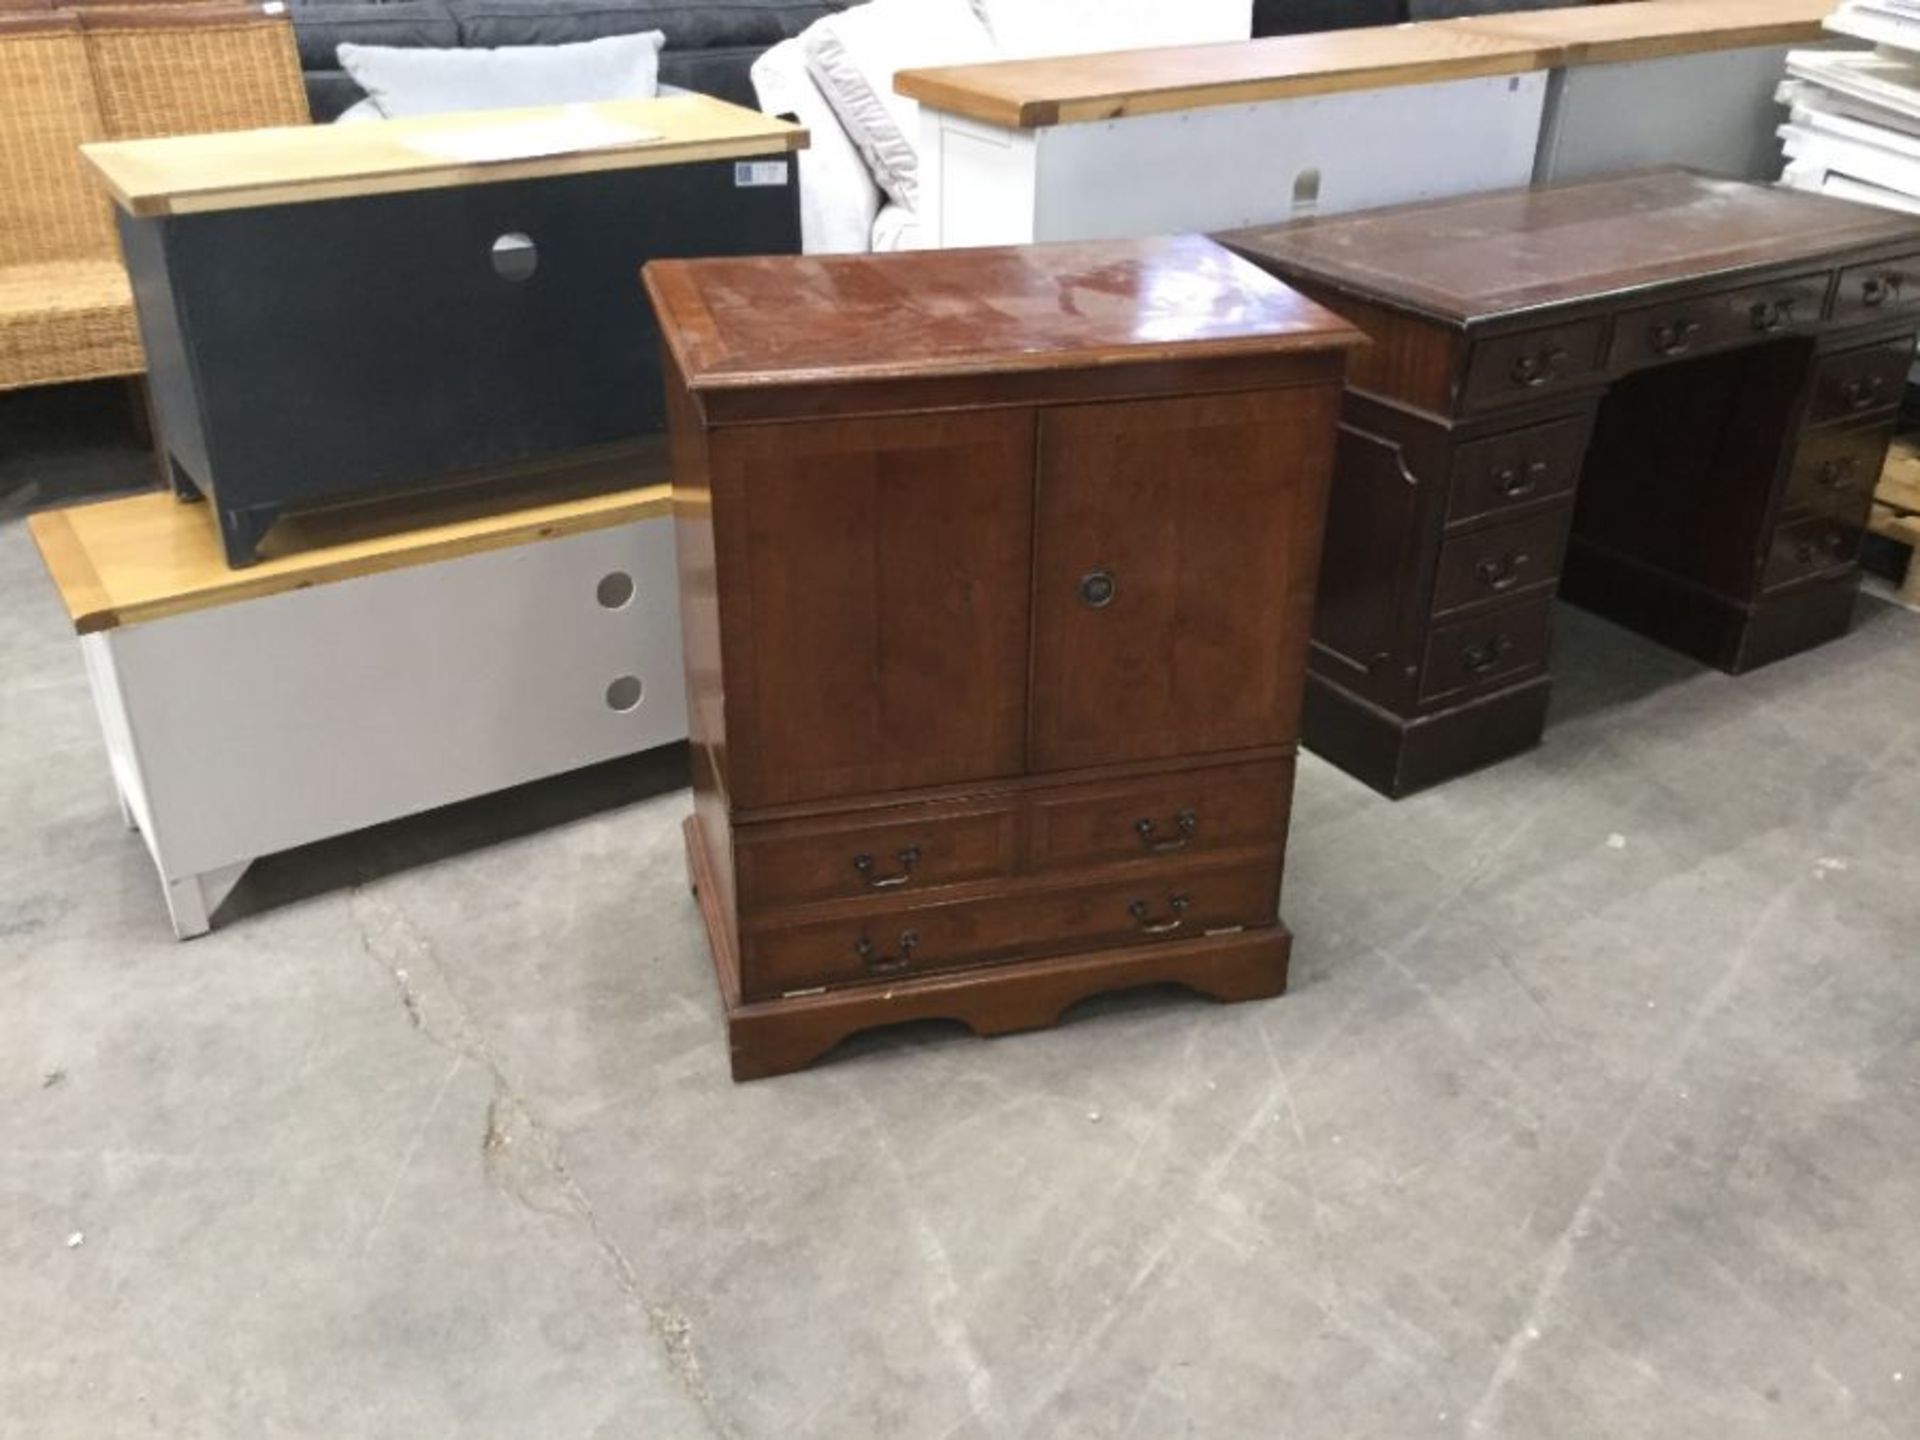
453 830
66 443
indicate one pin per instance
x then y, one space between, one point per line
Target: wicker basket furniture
66 309
128 71
192 69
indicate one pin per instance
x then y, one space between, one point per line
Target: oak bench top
1035 94
148 556
241 169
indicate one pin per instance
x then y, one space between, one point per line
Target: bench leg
192 899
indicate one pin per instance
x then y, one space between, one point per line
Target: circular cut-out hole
515 256
615 589
624 693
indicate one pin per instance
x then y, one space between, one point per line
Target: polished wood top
1477 257
737 324
144 557
239 169
1032 94
1653 29
1063 90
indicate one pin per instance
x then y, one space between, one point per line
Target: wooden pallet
1896 509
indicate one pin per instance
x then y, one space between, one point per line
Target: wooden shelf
245 168
1034 94
119 562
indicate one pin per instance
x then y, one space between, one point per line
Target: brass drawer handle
1877 290
1140 911
1674 337
1513 482
1861 393
1771 315
1483 657
1533 371
878 964
1838 474
908 858
1829 544
1501 574
1185 822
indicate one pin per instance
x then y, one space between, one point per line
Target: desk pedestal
1715 503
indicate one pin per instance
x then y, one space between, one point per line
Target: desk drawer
1500 646
887 944
896 853
1835 470
1501 560
1514 368
1522 467
1808 547
1884 288
1163 818
1859 382
1679 328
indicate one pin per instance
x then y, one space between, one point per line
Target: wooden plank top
736 324
1068 89
1479 257
238 169
1033 94
145 557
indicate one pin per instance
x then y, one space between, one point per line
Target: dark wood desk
1663 395
996 568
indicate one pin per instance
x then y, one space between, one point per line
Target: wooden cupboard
997 569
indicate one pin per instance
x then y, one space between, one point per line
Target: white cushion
838 198
1024 29
853 57
896 228
404 81
360 110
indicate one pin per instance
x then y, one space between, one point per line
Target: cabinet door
1176 550
873 579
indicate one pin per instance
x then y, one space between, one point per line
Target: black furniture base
307 354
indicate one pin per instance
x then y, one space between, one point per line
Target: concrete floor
1594 1111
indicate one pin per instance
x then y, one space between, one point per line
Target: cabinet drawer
882 945
1883 288
1807 547
1487 564
1161 819
1519 468
1858 382
1500 646
1679 328
905 851
1513 368
1835 470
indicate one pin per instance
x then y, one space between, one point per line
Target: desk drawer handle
878 964
1674 337
514 257
1862 393
1142 915
1483 657
1503 573
1838 474
1829 544
1771 315
1533 371
1515 483
1877 290
1185 822
1097 589
908 858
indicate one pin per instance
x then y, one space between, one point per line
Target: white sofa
842 65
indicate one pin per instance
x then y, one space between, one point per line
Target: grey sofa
1294 17
710 43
